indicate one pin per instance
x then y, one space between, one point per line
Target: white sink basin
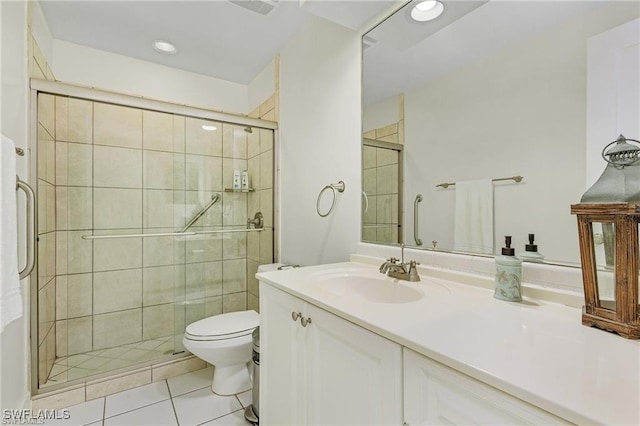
367 286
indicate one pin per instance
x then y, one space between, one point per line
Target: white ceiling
408 54
214 38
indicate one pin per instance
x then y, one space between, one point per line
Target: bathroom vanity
344 344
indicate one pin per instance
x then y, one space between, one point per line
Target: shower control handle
296 315
305 321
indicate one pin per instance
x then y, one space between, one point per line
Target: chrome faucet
384 268
401 271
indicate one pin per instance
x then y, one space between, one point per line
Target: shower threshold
82 365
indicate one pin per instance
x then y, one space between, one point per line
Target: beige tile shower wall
46 193
261 246
128 171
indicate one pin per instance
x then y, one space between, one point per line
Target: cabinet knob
296 315
305 321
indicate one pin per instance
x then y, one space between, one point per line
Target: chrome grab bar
366 202
214 199
167 234
31 226
415 219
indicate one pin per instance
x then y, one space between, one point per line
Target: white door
354 376
281 359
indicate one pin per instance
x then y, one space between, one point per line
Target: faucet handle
392 260
413 271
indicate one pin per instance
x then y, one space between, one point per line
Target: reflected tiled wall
380 181
381 184
122 170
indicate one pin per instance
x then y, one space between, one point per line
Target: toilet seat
223 327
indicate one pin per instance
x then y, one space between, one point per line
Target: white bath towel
473 228
10 297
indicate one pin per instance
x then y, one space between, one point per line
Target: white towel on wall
10 297
473 228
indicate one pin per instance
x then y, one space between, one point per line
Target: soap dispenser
508 274
530 253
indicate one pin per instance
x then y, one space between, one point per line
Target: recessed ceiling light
163 46
427 10
209 128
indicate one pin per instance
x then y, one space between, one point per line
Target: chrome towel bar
518 179
31 226
167 234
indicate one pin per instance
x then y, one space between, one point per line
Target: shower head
248 129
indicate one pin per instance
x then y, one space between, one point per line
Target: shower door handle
415 219
31 226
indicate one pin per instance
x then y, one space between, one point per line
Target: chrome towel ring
334 186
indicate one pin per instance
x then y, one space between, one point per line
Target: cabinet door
281 359
353 375
436 394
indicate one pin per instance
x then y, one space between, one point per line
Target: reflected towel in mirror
473 227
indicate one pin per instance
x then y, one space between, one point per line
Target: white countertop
535 350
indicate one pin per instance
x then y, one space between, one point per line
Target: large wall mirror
489 91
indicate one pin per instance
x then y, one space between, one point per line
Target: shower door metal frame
38 86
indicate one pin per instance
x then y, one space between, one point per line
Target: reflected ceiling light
208 128
163 46
427 10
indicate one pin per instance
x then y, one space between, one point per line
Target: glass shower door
128 273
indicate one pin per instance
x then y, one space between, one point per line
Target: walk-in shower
140 231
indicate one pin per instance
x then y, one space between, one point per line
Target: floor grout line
173 405
170 397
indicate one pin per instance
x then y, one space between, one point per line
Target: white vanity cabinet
329 372
436 394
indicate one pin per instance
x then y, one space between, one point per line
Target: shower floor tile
82 365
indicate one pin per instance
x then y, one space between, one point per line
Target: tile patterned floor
183 400
86 364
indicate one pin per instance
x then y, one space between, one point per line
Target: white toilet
224 341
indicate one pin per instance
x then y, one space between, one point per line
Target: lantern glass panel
604 244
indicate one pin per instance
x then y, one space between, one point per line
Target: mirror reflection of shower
382 191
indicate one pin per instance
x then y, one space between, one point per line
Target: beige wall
14 339
85 66
320 122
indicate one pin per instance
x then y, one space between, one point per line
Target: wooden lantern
620 313
608 216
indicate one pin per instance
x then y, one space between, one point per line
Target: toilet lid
224 326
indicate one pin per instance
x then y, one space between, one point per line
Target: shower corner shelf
239 190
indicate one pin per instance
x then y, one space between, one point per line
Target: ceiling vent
262 7
368 42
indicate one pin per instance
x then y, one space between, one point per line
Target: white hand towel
473 228
10 297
